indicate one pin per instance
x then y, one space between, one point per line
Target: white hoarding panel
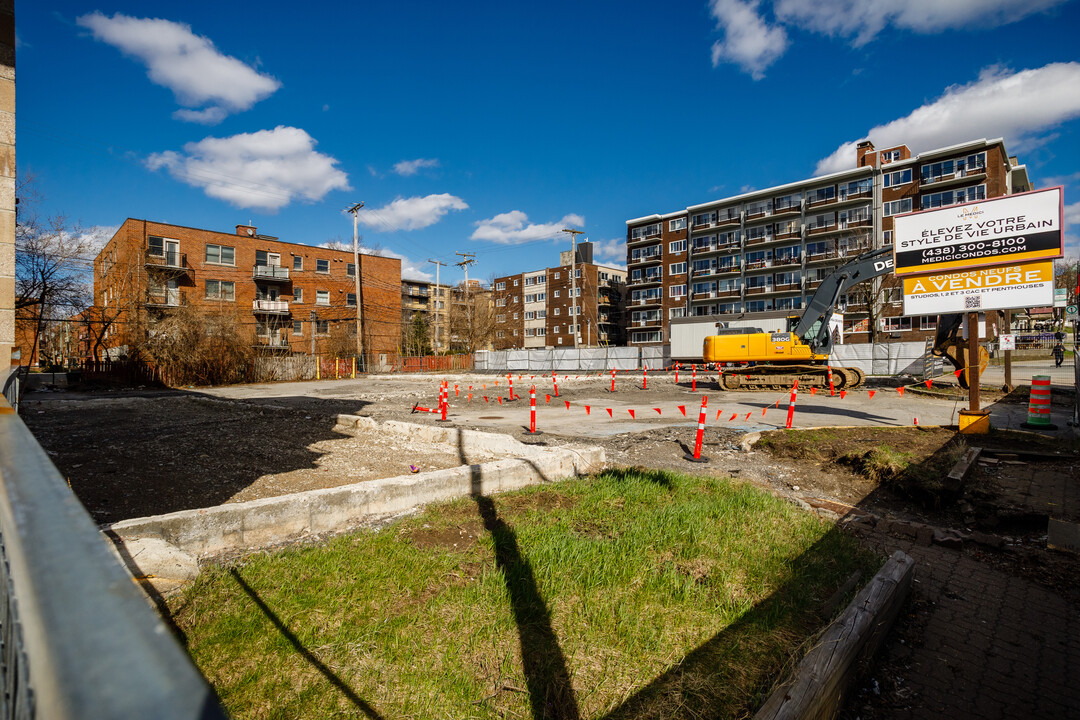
623 358
594 359
540 360
1012 229
994 288
517 359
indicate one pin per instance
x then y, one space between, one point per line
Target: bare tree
471 319
201 346
51 267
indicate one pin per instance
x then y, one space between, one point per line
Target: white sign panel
1011 229
1006 342
994 288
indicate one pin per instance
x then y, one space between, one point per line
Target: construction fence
539 360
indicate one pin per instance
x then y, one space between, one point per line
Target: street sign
1070 312
1061 297
1011 229
1006 342
993 288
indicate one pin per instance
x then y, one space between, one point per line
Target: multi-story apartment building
281 292
456 317
761 255
539 308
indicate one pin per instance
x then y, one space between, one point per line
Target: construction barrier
1039 405
696 457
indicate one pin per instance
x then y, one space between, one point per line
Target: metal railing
270 272
13 386
79 639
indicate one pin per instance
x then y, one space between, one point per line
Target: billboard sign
994 288
1011 229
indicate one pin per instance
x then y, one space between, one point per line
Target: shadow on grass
315 662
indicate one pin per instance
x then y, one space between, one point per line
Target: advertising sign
994 288
1011 229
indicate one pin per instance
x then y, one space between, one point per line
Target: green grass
629 594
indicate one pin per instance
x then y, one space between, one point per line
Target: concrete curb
270 521
819 682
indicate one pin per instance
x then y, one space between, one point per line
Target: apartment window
556 276
298 295
541 332
515 299
500 334
322 266
515 316
515 333
322 297
644 337
541 314
676 312
679 246
500 286
529 281
952 197
677 291
530 315
705 218
890 156
515 282
676 224
541 297
297 263
886 237
556 294
928 322
577 274
556 311
220 255
298 327
529 332
350 299
677 268
555 330
500 318
895 324
350 269
220 290
896 207
900 177
322 327
500 302
530 298
156 246
642 232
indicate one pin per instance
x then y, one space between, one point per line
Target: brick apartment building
760 256
443 308
533 309
280 292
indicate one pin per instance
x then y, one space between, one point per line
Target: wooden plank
820 681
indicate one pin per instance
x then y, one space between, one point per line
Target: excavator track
782 377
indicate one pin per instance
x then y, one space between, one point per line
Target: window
322 266
529 281
530 315
322 327
896 207
895 324
900 177
788 202
515 333
556 311
679 246
529 332
500 334
677 268
541 332
515 316
515 299
886 237
298 327
515 282
297 263
556 276
676 312
220 290
500 302
220 255
556 294
541 297
644 337
541 314
677 291
706 218
500 286
350 300
676 224
541 279
928 322
350 269
890 156
643 232
298 295
555 330
500 318
952 197
530 298
156 246
322 297
577 274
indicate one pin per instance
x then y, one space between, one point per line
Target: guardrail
80 641
13 386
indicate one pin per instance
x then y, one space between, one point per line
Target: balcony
169 261
270 272
642 259
729 292
655 322
647 280
954 178
814 202
758 213
702 272
163 300
659 299
721 269
788 287
707 295
767 237
795 234
758 289
728 217
782 260
759 264
271 307
846 197
277 343
788 208
643 238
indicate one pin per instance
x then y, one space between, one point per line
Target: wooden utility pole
467 259
573 281
359 286
438 265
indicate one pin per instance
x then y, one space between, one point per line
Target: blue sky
487 127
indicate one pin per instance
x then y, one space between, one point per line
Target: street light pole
573 282
359 287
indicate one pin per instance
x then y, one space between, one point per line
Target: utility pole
314 324
437 266
467 259
573 281
359 287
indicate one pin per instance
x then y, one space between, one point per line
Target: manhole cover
491 417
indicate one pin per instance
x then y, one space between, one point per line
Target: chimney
246 230
865 154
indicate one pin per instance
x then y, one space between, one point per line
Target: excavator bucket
956 354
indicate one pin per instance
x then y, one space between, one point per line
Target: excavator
770 361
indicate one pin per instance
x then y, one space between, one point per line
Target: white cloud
1072 214
1017 106
411 213
862 20
266 169
749 41
409 269
197 72
610 252
405 168
510 228
97 236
